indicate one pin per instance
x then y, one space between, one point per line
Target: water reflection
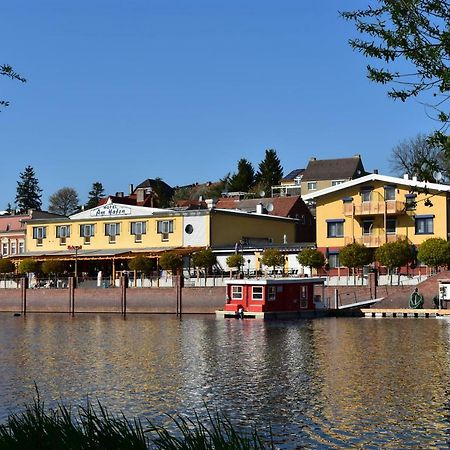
328 383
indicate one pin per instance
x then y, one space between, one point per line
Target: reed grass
86 428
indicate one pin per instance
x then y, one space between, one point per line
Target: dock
405 313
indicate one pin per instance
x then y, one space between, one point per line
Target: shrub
272 257
235 260
6 266
53 266
312 258
28 266
171 261
141 263
434 252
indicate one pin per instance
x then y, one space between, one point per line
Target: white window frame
257 295
13 247
237 292
21 247
312 185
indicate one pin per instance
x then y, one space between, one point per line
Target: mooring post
23 289
124 285
71 286
336 299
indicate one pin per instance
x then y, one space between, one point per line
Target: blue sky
121 91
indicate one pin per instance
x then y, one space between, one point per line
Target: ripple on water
327 383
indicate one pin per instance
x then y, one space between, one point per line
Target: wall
227 228
98 300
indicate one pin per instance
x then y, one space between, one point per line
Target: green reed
86 428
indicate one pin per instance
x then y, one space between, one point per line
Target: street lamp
248 268
75 248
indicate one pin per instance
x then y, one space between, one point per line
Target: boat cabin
273 296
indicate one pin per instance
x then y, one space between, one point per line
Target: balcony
374 208
373 240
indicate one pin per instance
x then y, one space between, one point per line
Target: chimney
375 171
357 155
131 188
406 176
414 178
210 203
139 195
313 158
119 194
259 208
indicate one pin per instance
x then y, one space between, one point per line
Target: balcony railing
374 208
373 241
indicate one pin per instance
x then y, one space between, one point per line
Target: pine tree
95 194
28 194
270 171
244 178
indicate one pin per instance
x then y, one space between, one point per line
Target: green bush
235 260
53 266
434 252
141 263
171 261
6 266
312 258
272 257
28 266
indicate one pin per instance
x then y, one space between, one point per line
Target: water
324 383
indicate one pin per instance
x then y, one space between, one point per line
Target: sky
121 91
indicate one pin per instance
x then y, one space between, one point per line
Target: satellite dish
437 176
269 207
262 194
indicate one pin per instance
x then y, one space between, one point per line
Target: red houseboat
274 297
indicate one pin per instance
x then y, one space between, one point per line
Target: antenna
269 207
262 194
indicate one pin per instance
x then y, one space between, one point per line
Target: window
333 260
39 233
271 293
257 292
335 228
312 185
4 248
13 247
21 247
236 292
424 224
87 231
189 229
164 227
336 182
367 226
410 202
138 229
389 193
112 230
366 195
303 296
391 226
62 232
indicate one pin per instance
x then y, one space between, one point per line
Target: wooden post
72 296
336 299
124 285
23 289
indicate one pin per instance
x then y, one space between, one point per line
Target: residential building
375 209
289 185
13 231
323 173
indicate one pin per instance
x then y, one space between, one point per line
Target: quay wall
112 300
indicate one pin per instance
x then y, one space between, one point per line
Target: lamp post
248 268
75 248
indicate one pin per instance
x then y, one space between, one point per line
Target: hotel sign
110 210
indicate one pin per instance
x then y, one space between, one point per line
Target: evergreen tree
95 194
28 194
270 172
244 178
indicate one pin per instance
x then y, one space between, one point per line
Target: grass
86 427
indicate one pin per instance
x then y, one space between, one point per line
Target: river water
322 383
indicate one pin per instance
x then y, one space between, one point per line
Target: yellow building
116 231
375 209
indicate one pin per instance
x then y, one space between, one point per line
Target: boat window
271 293
236 292
257 292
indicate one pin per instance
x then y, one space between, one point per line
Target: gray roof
334 169
293 174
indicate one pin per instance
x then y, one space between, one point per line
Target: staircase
428 288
